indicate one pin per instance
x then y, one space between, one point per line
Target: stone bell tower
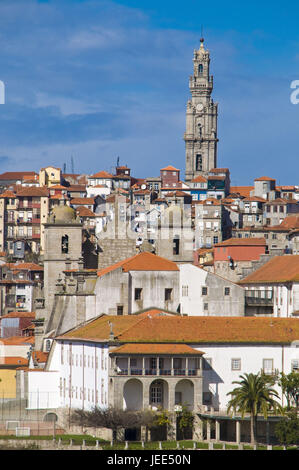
201 119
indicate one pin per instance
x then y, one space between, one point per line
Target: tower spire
201 118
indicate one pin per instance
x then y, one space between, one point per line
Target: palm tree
254 395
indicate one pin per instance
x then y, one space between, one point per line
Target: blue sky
95 80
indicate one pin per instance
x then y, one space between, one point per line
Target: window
184 291
168 294
295 365
138 294
227 291
133 362
200 69
120 310
206 306
177 363
236 364
207 398
215 240
178 398
156 395
268 366
204 291
65 244
198 163
176 246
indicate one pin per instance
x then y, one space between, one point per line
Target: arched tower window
198 162
200 69
65 244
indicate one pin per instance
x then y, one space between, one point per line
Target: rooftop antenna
117 163
64 168
72 164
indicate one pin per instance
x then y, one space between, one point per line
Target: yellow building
8 366
49 176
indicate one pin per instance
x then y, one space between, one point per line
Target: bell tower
201 119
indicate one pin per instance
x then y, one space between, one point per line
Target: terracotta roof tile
82 200
13 361
242 190
16 175
279 269
18 340
8 194
189 330
19 315
169 168
264 178
102 174
181 349
40 356
253 241
199 179
142 262
35 191
83 211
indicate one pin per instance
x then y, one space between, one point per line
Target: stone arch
159 394
184 393
51 418
133 395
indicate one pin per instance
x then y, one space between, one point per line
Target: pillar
208 430
197 428
267 432
238 432
217 429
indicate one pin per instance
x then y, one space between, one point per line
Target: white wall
43 391
83 373
219 379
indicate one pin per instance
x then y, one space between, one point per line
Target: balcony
259 298
159 372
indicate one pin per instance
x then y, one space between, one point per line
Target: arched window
65 244
200 69
198 162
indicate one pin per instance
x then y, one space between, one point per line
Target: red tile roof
189 330
150 349
83 211
9 194
16 175
19 315
34 191
40 356
279 269
102 174
291 222
142 262
82 200
242 190
169 168
264 178
13 361
253 241
17 340
199 179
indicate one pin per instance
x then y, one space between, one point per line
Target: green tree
254 395
185 420
287 429
289 384
111 418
